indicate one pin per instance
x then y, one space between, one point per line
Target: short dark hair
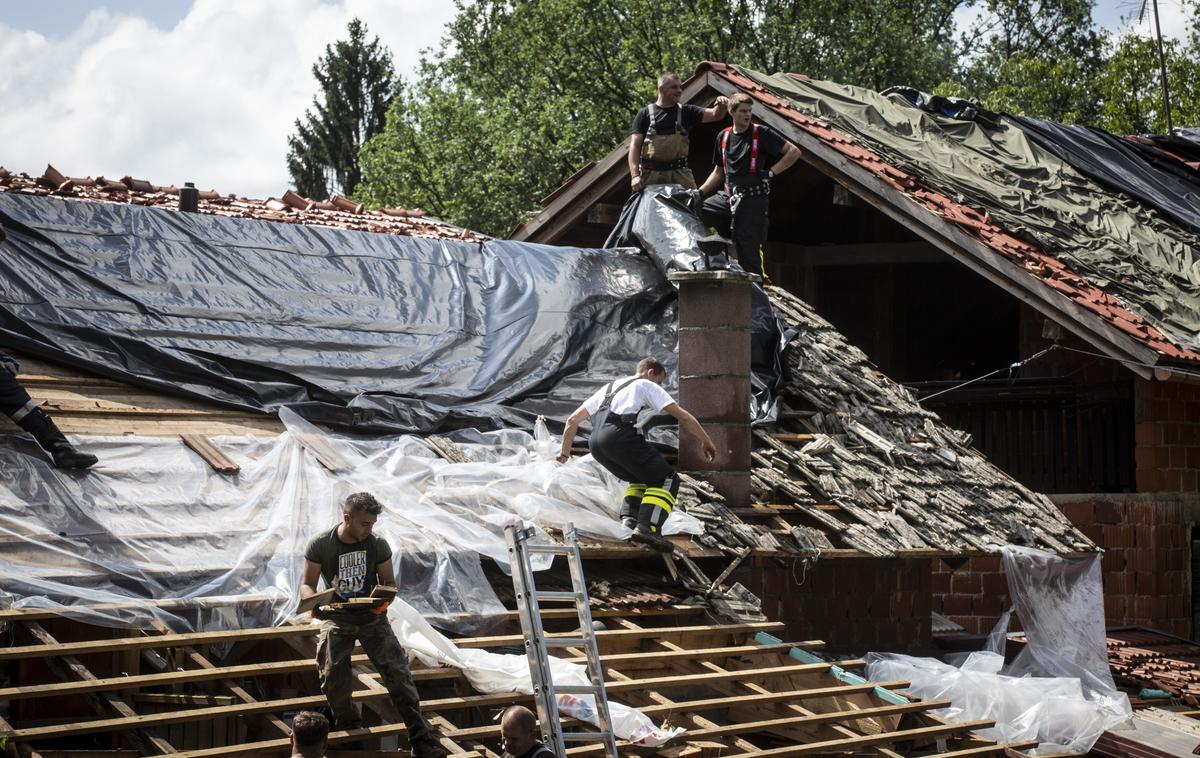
739 98
362 502
650 363
520 716
310 729
665 77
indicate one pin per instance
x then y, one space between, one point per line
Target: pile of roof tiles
1029 255
1145 658
290 208
900 478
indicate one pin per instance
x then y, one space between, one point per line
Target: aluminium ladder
545 691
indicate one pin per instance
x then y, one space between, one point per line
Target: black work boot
646 532
43 429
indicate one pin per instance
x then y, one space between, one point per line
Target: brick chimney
714 375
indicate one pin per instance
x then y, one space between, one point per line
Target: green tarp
1129 250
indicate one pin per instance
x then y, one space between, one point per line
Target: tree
522 93
356 86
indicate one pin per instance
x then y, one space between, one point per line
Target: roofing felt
289 208
1109 254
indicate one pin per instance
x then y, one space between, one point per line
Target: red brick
987 605
1114 609
1107 512
965 583
1078 513
1146 433
941 583
1174 480
1144 479
985 564
1192 459
1178 457
1146 583
1190 481
1144 457
956 605
994 584
1113 561
1170 434
1162 457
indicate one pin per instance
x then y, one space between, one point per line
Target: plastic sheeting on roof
1144 173
1128 250
349 328
152 521
1059 689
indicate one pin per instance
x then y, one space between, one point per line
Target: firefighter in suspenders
658 150
617 444
747 156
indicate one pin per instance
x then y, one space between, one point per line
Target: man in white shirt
618 445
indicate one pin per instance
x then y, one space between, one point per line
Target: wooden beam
991 749
232 687
156 641
821 718
868 740
509 640
214 456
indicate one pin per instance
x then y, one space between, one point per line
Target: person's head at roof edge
652 369
670 89
518 730
741 108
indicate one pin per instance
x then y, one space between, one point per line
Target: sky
207 90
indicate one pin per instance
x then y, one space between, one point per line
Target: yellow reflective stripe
657 502
635 489
661 492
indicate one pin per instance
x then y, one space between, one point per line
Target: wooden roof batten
729 685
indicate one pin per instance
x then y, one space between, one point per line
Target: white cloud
211 100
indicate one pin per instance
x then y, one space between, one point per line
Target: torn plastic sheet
152 522
661 221
1127 249
1059 689
359 330
496 672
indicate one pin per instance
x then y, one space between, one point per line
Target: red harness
753 151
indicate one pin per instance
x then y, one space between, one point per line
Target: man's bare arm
692 427
635 161
385 573
716 111
791 154
573 421
714 181
312 575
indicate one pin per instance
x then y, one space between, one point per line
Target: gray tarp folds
360 330
1156 180
1129 250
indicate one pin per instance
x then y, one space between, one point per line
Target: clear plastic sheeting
496 672
1058 690
153 536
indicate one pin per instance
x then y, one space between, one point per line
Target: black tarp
1139 171
353 329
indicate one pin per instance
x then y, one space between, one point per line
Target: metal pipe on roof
189 198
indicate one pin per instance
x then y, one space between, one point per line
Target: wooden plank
243 709
157 641
629 634
312 601
821 718
237 691
867 740
991 749
214 456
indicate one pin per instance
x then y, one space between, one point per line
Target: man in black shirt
658 150
747 156
352 560
518 731
27 414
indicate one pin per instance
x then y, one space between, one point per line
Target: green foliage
356 80
521 93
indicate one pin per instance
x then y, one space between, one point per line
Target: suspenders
653 110
753 150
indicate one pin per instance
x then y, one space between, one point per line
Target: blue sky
208 90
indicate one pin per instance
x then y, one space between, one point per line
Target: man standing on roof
25 413
617 445
658 150
747 156
352 560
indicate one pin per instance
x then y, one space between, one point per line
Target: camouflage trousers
334 647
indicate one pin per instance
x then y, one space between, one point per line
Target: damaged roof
289 208
1121 274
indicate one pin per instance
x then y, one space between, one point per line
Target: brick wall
1167 436
856 605
1146 565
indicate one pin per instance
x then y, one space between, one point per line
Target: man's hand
636 183
722 104
710 451
321 612
562 457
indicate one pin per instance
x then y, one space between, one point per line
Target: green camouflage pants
334 646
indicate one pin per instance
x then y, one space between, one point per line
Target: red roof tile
1030 256
291 208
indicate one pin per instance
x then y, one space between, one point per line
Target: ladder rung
577 689
585 736
565 642
574 597
548 549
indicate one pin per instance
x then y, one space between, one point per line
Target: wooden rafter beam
857 742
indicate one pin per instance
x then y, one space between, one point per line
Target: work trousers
746 217
619 447
14 400
334 647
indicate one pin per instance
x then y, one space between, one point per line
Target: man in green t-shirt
351 560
